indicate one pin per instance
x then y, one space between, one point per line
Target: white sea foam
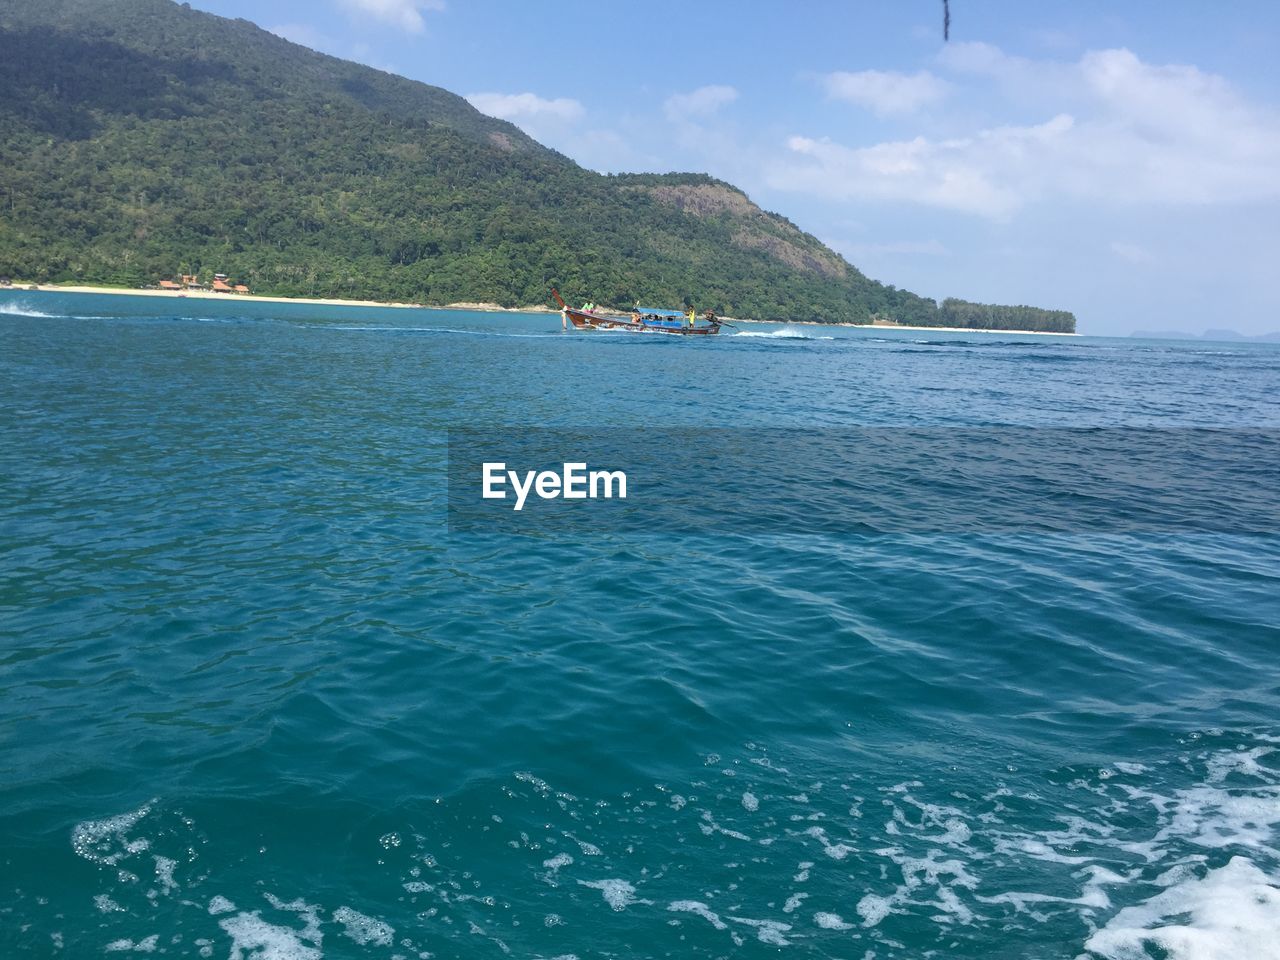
1216 817
955 833
873 908
555 863
588 849
389 841
1241 762
698 909
20 309
1036 849
831 921
710 826
767 931
1132 769
253 938
364 929
783 333
793 902
106 841
1230 914
146 945
836 851
164 874
106 905
619 894
1079 852
1092 894
17 308
922 876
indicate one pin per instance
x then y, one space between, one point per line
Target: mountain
140 139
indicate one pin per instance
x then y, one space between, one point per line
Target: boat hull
586 320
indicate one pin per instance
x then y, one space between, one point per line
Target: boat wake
1175 858
20 309
386 328
785 333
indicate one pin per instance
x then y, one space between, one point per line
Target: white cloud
699 103
886 93
963 175
1137 133
404 14
521 107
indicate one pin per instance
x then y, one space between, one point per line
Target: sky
1119 160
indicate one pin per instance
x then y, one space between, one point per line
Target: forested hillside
989 316
140 139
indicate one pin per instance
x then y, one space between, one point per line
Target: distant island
141 141
1227 335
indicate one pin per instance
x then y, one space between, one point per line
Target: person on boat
692 316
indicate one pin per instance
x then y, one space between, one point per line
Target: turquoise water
256 701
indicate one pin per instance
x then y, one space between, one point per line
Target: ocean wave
1230 913
784 333
19 309
1177 854
387 328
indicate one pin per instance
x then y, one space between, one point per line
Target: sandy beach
202 295
233 297
476 305
897 326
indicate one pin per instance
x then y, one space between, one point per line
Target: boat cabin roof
655 312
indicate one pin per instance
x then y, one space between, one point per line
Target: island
143 141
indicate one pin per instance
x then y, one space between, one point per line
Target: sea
264 695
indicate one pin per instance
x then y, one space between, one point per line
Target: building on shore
221 284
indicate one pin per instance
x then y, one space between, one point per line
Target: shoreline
903 326
470 305
262 298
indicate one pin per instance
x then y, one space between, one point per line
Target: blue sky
1118 160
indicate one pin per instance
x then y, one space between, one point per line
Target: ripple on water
1178 853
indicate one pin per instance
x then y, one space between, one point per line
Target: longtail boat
641 320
